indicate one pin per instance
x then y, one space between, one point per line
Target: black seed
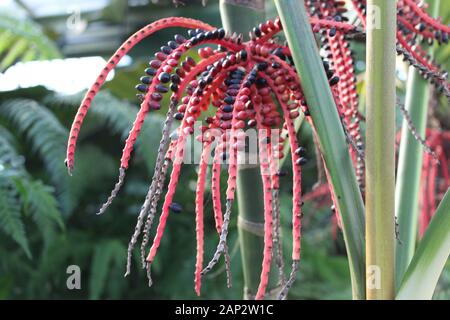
229 99
243 54
178 116
191 33
330 74
300 151
332 32
141 87
261 82
301 161
209 35
175 78
162 89
334 80
281 173
172 44
140 97
247 84
174 87
175 207
150 71
227 108
224 156
262 66
202 84
164 77
209 79
166 49
156 96
257 31
276 65
421 27
179 38
200 37
326 65
307 113
221 32
226 116
146 80
279 53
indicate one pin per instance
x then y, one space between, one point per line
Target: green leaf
429 260
10 214
19 36
104 255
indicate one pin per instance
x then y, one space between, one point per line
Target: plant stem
380 149
410 164
241 16
329 132
432 253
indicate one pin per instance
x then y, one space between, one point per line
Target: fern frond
22 39
105 254
10 214
43 133
8 153
39 202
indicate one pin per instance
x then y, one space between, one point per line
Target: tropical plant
264 84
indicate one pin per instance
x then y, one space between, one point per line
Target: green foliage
23 40
10 216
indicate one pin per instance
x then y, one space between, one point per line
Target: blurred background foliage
47 218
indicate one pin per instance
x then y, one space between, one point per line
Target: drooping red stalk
265 173
199 198
112 63
215 188
186 76
186 129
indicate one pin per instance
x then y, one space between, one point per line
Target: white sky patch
62 75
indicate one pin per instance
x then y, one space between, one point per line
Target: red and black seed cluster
246 84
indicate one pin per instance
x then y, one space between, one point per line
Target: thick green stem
329 132
410 164
380 149
429 260
241 17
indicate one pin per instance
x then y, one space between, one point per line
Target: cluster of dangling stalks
414 27
247 84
